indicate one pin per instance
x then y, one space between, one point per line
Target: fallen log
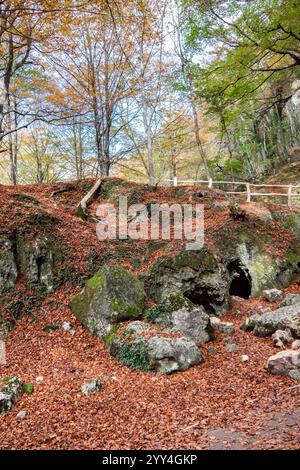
82 206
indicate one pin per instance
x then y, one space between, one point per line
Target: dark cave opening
241 284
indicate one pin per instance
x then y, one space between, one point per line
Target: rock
212 349
273 295
281 319
281 337
284 362
290 299
112 295
10 390
238 314
6 326
194 324
140 346
8 267
223 327
245 358
295 374
228 340
36 262
232 347
39 379
254 212
91 386
51 327
21 415
296 344
67 326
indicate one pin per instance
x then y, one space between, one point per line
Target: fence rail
290 194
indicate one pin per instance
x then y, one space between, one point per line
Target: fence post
290 191
175 181
210 183
248 192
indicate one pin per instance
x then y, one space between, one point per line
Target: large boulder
281 319
111 296
36 262
145 347
284 362
10 390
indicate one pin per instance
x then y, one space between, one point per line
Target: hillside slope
222 403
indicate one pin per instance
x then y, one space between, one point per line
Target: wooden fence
292 191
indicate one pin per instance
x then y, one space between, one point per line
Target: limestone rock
10 390
280 319
140 346
222 326
195 324
36 262
284 362
8 267
290 299
281 337
273 295
6 326
91 386
112 295
296 344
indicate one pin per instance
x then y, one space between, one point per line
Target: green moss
28 389
172 303
97 281
80 213
110 335
134 356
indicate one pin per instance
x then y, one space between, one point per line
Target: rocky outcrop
8 267
284 362
290 299
10 390
281 319
273 295
111 296
141 346
32 258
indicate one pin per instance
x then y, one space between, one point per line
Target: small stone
228 340
232 347
91 386
281 337
238 314
39 379
67 326
21 415
296 344
245 358
222 326
211 349
273 295
294 374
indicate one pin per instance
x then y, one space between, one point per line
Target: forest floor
222 403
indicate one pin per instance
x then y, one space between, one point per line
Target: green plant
134 356
28 388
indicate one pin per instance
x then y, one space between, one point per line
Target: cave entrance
241 284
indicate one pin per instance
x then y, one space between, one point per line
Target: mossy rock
172 303
112 295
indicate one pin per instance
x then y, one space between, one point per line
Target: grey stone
6 326
10 390
21 415
212 349
111 296
280 319
36 262
284 362
295 374
156 349
223 327
194 324
39 379
238 314
91 386
8 267
281 337
296 344
228 340
273 295
290 299
245 358
232 347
